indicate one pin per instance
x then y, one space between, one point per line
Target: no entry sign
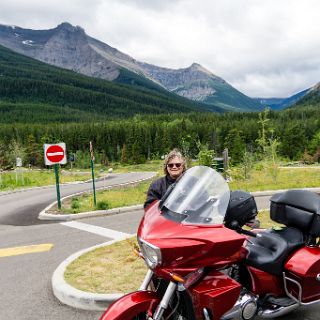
55 153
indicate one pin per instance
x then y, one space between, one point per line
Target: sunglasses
171 165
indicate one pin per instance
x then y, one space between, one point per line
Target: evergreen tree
235 144
124 158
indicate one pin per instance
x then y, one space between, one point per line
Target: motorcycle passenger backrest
297 208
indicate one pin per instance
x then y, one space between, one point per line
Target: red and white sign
55 153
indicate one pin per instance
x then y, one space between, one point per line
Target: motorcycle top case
242 208
297 208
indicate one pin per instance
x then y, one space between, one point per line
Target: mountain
33 91
282 103
197 83
69 47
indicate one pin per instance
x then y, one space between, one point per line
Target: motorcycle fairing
130 305
189 246
217 292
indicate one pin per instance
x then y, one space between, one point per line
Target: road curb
73 297
98 213
44 215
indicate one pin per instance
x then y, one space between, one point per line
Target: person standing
174 166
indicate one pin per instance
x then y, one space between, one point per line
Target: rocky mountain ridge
70 47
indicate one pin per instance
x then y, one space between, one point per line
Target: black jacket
158 189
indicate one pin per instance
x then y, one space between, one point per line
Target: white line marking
58 153
104 232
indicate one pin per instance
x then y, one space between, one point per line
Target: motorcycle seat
270 249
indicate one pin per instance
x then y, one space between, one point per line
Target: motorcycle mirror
234 225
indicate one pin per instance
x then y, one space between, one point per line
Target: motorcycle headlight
151 253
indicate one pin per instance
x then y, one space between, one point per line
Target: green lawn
288 178
113 198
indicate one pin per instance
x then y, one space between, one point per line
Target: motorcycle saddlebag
297 208
242 208
303 268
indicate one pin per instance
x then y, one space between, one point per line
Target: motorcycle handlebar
248 233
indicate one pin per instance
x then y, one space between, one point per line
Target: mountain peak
195 65
198 67
66 26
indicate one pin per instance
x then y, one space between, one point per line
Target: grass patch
111 269
108 199
10 180
265 221
261 180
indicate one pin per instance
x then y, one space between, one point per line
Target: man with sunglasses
174 165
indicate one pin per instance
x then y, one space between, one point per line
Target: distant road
22 208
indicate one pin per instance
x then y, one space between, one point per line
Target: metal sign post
55 154
56 172
19 171
92 172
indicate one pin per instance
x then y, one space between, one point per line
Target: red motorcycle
203 265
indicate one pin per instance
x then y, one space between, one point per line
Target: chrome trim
146 280
206 314
165 301
299 299
236 311
272 313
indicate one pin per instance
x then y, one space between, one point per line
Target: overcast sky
264 48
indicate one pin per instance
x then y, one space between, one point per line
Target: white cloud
263 48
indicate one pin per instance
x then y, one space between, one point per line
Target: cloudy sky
265 48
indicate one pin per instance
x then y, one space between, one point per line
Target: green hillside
311 99
37 92
230 99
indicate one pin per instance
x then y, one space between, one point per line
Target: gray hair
172 154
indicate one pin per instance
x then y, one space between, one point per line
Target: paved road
26 292
22 208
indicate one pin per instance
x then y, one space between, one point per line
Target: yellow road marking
7 252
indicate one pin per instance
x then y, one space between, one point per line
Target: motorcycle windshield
200 196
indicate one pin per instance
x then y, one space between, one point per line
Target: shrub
75 204
103 205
